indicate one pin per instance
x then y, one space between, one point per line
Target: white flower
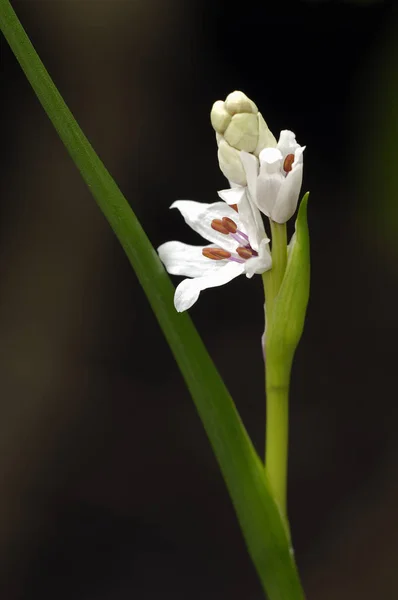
274 184
238 245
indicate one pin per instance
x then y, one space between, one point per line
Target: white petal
249 217
269 180
232 195
250 165
287 142
252 222
261 263
268 187
298 156
233 184
188 291
271 160
187 260
199 216
286 202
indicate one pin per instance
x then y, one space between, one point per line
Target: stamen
229 224
288 162
215 253
245 237
246 252
219 226
241 238
234 206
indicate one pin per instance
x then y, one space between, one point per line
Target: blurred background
109 489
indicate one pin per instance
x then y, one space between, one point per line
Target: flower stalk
286 289
272 279
277 431
277 391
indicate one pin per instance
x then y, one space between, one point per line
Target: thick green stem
279 255
272 279
277 433
277 378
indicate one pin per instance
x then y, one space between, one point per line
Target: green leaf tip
288 316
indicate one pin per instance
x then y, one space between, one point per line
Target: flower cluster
264 176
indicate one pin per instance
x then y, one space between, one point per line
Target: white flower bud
242 132
230 163
266 138
238 102
239 126
220 118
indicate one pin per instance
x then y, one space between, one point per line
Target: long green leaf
266 537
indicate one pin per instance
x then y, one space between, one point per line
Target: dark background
108 486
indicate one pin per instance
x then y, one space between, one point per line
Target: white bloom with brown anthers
239 245
274 181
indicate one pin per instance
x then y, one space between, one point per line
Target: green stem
277 434
277 378
272 279
279 252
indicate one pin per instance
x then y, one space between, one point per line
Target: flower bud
220 117
238 102
266 138
239 126
230 163
242 132
237 121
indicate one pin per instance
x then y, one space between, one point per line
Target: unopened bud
230 163
237 121
238 102
266 138
239 126
220 118
242 132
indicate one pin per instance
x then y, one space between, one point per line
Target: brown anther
229 224
234 206
245 252
215 253
288 162
219 226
